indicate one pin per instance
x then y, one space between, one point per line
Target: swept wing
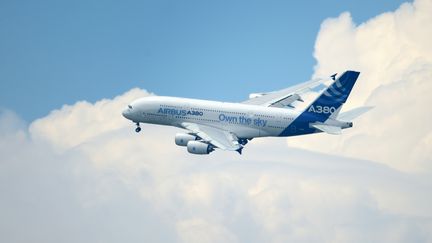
217 137
284 97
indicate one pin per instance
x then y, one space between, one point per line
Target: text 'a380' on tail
325 109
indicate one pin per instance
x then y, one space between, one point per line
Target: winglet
333 76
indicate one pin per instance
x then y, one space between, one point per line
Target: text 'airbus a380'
229 126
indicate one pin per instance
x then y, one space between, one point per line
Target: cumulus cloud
82 174
394 55
60 127
110 184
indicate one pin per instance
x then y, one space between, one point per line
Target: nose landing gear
138 129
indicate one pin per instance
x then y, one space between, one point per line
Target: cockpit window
130 107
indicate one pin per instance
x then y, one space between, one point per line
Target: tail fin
331 100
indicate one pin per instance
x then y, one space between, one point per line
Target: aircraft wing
284 97
219 138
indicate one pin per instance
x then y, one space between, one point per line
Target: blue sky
57 52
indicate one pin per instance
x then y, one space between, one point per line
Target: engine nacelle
197 147
182 139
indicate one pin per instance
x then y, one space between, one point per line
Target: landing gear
240 150
243 141
138 129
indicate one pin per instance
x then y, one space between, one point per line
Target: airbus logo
177 112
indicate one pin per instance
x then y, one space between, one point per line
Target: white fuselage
229 126
246 121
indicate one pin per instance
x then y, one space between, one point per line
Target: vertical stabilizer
332 99
328 104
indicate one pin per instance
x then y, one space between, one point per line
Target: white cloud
82 174
200 231
60 127
394 55
115 185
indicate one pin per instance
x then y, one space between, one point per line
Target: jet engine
197 147
182 139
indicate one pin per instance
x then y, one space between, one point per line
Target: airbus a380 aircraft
229 126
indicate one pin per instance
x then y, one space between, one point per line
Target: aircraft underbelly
239 130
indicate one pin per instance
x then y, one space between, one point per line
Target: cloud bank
82 174
113 185
394 55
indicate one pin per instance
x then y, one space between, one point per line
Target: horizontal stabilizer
354 113
328 129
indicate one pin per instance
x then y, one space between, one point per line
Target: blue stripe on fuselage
300 125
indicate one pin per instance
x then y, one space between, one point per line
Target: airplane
228 126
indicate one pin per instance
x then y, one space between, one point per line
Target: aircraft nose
125 113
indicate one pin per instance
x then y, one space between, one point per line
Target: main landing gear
138 129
